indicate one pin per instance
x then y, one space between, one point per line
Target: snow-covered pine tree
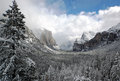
115 70
14 27
14 67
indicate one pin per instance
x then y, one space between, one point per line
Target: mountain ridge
100 39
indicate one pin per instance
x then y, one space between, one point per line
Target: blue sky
76 6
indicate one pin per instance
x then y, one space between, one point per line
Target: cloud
109 17
39 13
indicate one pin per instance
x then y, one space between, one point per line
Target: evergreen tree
15 67
115 70
14 28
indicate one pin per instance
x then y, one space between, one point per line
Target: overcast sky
68 19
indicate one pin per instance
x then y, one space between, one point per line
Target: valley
33 54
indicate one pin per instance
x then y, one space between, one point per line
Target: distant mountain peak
86 36
98 40
45 36
114 28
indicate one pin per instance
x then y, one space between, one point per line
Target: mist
51 15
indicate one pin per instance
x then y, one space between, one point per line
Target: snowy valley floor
96 65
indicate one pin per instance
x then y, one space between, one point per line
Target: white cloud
109 17
40 13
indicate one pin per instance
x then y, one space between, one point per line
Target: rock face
68 45
45 37
86 36
100 39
